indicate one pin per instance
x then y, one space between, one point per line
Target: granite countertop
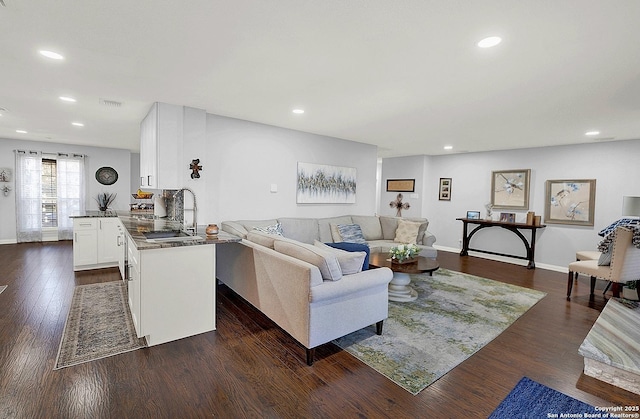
614 338
138 224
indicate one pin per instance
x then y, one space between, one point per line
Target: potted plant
630 291
404 253
104 200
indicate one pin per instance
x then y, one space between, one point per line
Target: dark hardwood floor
248 367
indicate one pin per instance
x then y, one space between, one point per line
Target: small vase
212 230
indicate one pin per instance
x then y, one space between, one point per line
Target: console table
513 227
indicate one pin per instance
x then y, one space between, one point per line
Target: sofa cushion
354 247
370 225
301 229
325 261
389 225
351 233
407 232
350 262
262 238
324 227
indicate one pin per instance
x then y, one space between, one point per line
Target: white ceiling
404 75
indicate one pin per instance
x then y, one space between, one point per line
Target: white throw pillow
407 232
325 261
350 262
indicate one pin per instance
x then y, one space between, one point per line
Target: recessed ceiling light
298 111
51 54
489 42
448 147
67 99
77 124
591 133
21 131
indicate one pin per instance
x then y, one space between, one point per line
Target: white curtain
71 196
28 196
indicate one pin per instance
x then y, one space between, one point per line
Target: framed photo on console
445 189
510 189
473 215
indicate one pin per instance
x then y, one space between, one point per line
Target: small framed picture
445 189
473 215
5 174
507 217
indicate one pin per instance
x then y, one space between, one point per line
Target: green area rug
99 325
454 316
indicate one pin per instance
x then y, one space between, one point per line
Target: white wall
97 157
613 165
242 159
396 169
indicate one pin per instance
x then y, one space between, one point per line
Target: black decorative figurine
195 168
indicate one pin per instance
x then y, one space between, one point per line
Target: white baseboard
563 269
8 241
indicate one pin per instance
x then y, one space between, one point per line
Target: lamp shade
631 206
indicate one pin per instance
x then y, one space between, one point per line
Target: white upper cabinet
161 139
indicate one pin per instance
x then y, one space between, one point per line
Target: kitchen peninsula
171 280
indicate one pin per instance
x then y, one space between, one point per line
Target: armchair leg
310 354
379 327
569 285
593 286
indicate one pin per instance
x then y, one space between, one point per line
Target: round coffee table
399 289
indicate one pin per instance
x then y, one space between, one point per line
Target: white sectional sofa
295 281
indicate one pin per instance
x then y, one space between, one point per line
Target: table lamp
631 206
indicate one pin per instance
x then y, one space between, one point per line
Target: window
49 186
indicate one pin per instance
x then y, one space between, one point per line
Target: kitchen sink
169 236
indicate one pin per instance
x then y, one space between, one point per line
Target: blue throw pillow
351 233
354 247
622 222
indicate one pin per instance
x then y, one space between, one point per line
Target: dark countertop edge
137 224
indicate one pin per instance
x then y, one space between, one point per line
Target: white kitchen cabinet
95 243
121 241
108 240
172 291
161 134
168 136
85 237
133 285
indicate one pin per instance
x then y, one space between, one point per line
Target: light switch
274 187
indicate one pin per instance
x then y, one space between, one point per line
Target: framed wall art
324 184
570 202
510 189
401 185
445 189
5 174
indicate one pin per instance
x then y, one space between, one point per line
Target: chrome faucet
194 226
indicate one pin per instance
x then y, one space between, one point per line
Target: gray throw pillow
351 233
605 257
